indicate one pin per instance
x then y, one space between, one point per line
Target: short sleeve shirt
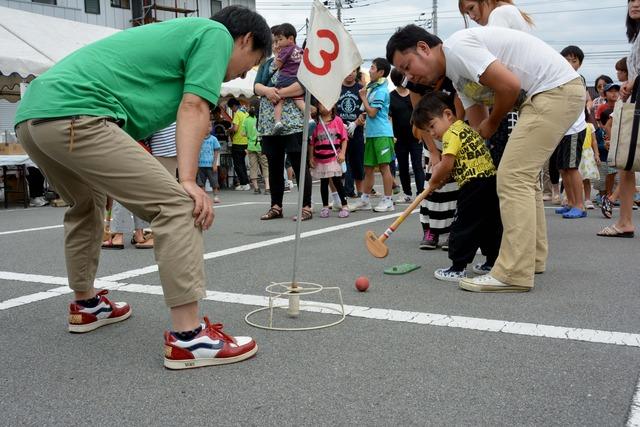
138 75
379 125
239 138
291 56
473 159
468 53
322 150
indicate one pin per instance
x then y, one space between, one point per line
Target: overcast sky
596 26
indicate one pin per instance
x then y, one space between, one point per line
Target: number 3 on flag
327 57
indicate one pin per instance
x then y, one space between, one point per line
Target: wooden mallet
375 245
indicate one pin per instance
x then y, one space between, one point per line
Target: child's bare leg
277 111
299 103
387 178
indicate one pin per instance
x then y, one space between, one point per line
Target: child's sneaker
344 213
216 199
85 319
588 204
278 128
324 213
482 268
385 205
210 347
404 199
361 205
449 275
430 241
445 244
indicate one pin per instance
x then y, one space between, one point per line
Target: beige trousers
258 160
90 158
543 120
169 163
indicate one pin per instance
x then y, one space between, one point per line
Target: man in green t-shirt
239 143
80 121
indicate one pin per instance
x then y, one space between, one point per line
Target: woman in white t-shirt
495 13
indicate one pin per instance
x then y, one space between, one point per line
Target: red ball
362 283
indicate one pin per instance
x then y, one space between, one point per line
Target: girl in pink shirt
328 148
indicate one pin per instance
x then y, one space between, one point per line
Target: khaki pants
544 119
102 159
258 160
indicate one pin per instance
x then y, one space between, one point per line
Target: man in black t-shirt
349 109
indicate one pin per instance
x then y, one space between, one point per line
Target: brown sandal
272 213
307 214
147 241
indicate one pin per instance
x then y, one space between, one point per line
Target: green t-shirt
249 127
239 138
137 76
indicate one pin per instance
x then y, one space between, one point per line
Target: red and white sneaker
210 347
85 319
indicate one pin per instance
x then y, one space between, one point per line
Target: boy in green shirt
79 122
257 160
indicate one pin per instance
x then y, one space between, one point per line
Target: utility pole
434 17
339 8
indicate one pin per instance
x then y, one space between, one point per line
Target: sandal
108 244
307 214
272 213
324 213
607 207
344 213
613 231
147 242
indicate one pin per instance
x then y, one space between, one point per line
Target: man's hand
203 208
487 128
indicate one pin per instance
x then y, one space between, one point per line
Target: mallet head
375 246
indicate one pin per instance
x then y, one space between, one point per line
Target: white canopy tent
240 87
31 43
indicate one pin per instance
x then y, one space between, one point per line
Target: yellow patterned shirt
473 159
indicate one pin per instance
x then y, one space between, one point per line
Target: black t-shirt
400 111
349 106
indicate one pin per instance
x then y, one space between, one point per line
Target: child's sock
336 199
387 199
364 197
187 335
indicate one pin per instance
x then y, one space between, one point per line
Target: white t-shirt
469 52
508 16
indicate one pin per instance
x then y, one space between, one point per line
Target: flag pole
294 300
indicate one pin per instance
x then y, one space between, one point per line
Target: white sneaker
246 187
37 202
216 199
361 205
404 199
449 275
385 206
488 283
239 188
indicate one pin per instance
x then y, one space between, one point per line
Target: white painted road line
217 254
634 411
26 230
413 317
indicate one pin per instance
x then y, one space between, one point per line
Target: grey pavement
363 371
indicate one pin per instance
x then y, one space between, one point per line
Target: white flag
329 56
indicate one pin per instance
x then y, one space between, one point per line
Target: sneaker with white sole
488 283
385 206
449 275
482 268
404 199
210 347
85 319
361 205
430 241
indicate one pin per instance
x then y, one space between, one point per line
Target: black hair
572 50
233 103
315 103
430 106
382 65
408 37
396 77
274 29
604 77
633 26
241 21
286 30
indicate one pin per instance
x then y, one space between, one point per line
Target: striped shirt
163 142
